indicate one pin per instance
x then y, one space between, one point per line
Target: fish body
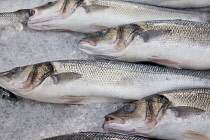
180 115
169 43
96 136
14 19
88 16
174 3
85 81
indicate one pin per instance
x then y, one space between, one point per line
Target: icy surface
30 120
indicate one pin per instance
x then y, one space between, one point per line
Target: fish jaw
22 80
14 81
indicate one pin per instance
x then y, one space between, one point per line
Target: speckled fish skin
96 136
14 18
85 81
179 115
174 3
88 16
169 43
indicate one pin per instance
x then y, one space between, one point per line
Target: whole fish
174 3
15 19
96 136
179 114
85 81
88 16
177 44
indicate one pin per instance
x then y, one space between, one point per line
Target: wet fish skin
96 136
15 19
95 15
86 81
169 43
174 3
179 114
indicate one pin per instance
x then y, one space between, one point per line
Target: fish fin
98 27
91 8
195 135
67 99
185 111
162 60
67 76
152 34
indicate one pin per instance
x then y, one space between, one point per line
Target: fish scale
96 136
12 18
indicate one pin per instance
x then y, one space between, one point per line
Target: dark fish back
96 136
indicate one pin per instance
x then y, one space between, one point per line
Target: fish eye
49 3
17 69
129 108
101 32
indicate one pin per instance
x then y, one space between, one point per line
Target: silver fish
85 81
169 43
88 16
96 136
174 3
15 19
180 114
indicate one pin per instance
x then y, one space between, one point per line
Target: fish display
15 19
180 114
90 81
169 43
96 136
175 3
87 16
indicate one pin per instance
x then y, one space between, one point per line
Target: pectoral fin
64 77
186 111
72 99
93 8
162 60
195 136
152 34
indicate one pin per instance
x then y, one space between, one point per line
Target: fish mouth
88 46
113 119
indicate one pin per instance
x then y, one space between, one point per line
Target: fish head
140 117
110 43
25 79
47 17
